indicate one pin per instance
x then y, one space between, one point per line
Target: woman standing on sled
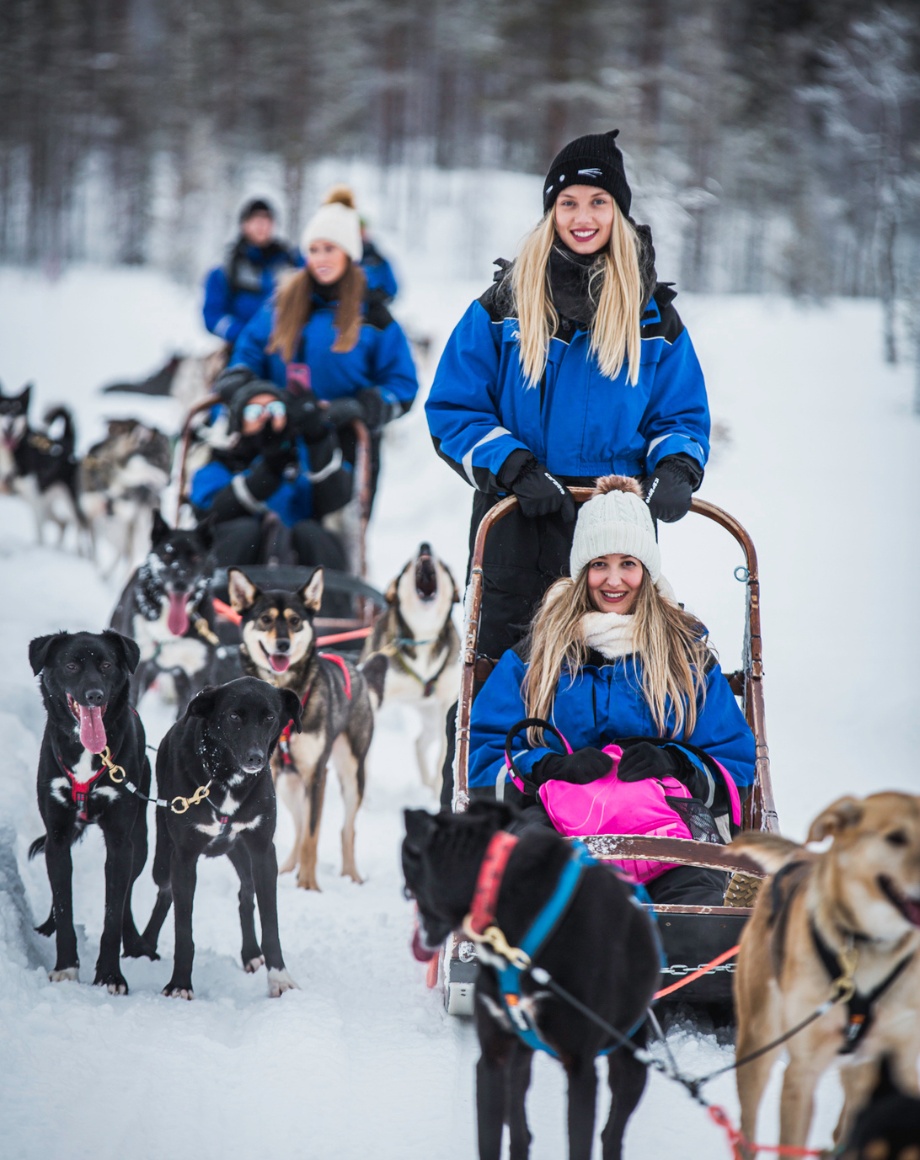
572 365
613 661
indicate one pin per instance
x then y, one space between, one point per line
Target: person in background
324 333
234 291
573 364
613 659
281 457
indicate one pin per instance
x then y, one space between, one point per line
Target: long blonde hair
615 329
670 659
294 305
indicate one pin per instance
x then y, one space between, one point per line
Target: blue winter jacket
599 705
234 291
381 358
576 421
292 502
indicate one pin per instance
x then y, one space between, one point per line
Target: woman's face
263 409
326 262
583 215
614 582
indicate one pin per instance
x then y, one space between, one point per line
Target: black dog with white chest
602 950
92 757
213 767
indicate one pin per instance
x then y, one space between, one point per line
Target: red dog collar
489 881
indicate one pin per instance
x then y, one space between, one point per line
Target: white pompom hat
336 221
616 519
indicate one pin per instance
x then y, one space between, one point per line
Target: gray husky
338 698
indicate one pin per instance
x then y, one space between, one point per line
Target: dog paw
65 975
308 882
354 876
252 965
279 982
171 991
113 981
288 866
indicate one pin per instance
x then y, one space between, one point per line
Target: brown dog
857 902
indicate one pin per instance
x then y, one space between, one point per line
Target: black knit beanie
253 206
245 394
591 160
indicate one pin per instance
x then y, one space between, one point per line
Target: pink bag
610 806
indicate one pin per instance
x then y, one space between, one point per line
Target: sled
346 632
692 936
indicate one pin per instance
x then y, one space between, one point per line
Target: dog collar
489 881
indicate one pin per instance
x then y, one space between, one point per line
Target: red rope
697 974
738 1143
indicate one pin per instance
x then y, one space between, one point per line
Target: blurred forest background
784 133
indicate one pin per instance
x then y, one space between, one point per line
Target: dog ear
311 595
845 812
291 709
455 598
130 650
390 595
243 593
160 529
499 813
420 828
202 704
40 650
26 394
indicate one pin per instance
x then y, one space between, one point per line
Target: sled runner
276 572
692 936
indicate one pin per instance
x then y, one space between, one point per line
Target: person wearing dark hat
281 457
235 290
572 365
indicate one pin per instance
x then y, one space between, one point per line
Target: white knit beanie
616 519
336 221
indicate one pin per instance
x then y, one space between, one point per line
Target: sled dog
602 949
92 761
225 742
888 1127
121 480
279 645
167 607
417 636
41 467
851 912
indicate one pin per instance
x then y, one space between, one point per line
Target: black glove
539 492
338 412
643 760
579 768
377 410
278 449
229 381
669 489
306 418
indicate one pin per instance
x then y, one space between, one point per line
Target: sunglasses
252 412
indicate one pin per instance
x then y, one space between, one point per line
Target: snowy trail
823 468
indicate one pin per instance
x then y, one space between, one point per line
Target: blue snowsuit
602 703
234 291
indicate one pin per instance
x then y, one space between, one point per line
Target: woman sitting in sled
656 741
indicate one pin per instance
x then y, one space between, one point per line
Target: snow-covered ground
817 456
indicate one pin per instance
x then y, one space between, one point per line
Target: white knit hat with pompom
336 221
616 519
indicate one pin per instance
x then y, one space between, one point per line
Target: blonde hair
294 305
615 329
670 658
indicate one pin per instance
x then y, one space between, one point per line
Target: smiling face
258 229
326 261
614 582
583 215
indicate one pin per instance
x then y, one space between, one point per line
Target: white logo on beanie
591 173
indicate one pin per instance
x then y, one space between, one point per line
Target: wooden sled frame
360 506
676 923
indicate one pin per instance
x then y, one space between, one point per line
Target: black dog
603 951
224 744
888 1127
92 757
167 607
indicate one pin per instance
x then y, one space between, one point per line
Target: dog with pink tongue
92 770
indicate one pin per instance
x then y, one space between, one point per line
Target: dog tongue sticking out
280 662
177 620
92 730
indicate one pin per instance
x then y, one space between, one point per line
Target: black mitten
580 768
306 418
278 450
644 760
377 410
538 491
343 410
669 489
